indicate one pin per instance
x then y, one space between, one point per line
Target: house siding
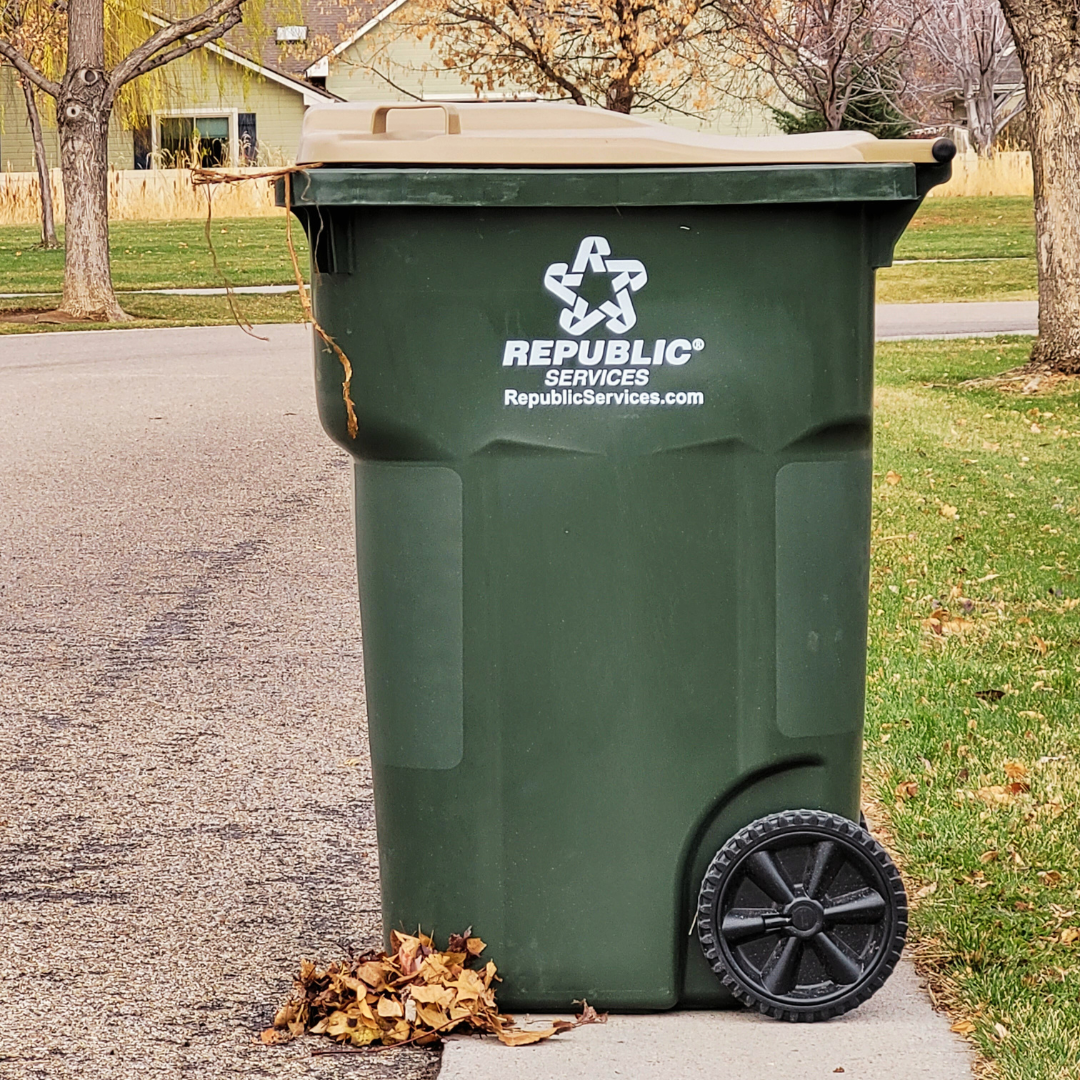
415 68
195 83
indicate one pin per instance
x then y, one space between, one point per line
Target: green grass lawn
970 229
997 229
162 255
252 251
972 741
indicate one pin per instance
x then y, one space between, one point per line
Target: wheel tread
749 837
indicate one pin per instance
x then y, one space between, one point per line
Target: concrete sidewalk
894 1036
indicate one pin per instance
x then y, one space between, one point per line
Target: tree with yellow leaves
618 54
107 45
37 27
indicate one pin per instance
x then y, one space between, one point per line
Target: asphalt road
180 689
899 321
185 799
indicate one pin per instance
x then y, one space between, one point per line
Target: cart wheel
802 915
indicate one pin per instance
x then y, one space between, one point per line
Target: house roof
331 27
367 16
242 53
328 23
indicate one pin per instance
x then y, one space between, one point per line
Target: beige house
242 101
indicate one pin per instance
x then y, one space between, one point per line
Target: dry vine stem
201 177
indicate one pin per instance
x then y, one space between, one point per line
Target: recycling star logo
627 277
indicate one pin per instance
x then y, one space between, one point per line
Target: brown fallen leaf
892 478
1001 1031
526 1036
947 511
908 789
995 795
1070 935
589 1015
1015 771
962 1027
412 995
1050 878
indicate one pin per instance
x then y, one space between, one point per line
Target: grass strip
972 738
161 311
161 255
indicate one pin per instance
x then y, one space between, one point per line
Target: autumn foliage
618 54
412 995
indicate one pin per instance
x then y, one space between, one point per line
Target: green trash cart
610 409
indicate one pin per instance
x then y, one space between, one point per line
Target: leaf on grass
947 511
893 478
1001 1031
1050 878
989 695
944 624
907 790
995 795
1015 771
963 1027
1070 935
988 856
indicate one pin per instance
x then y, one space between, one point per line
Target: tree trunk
48 220
82 115
619 96
1048 44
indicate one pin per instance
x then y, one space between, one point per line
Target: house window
184 141
248 138
292 33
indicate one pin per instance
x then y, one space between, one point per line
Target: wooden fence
157 194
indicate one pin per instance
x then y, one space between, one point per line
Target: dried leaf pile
413 995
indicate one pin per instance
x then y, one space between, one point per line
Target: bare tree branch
192 43
25 68
213 20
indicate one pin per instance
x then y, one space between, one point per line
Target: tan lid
554 133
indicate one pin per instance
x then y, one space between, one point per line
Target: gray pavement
900 321
180 692
894 1036
185 799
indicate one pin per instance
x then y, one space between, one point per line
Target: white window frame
232 115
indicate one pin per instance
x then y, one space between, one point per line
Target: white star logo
627 276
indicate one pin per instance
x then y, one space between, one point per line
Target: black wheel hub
807 917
